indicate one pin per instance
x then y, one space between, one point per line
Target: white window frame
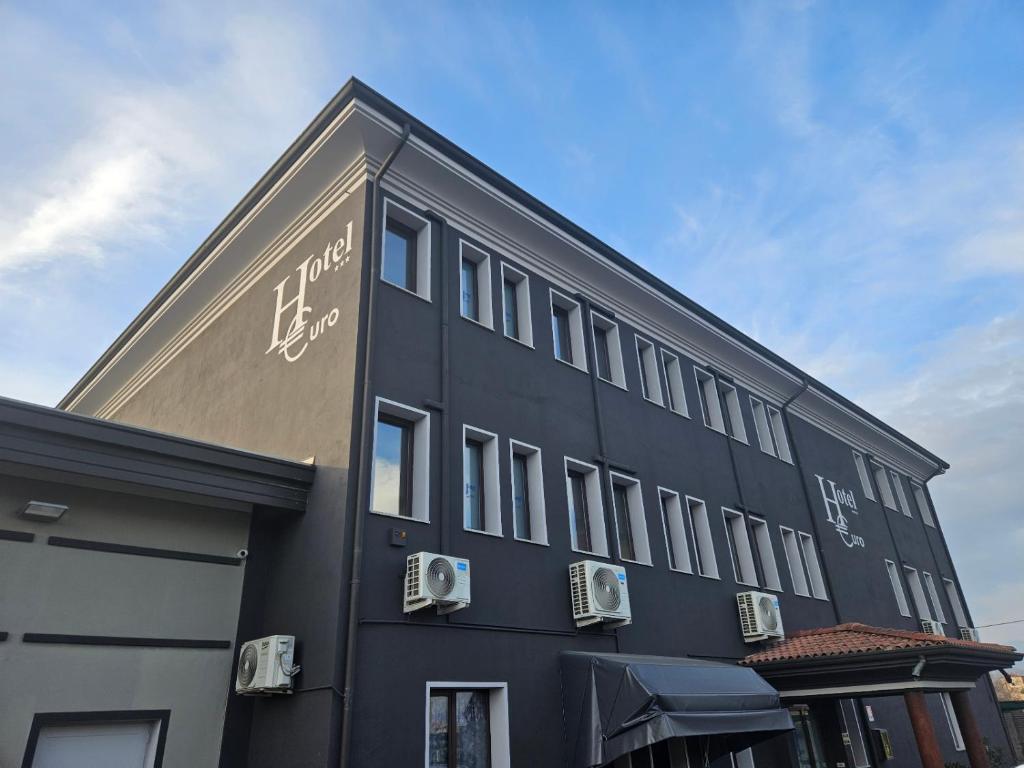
882 480
761 426
900 493
673 523
744 571
500 739
522 283
577 341
816 577
771 431
923 506
855 731
862 473
615 362
492 479
766 553
953 594
637 519
730 394
933 595
897 589
703 541
595 507
420 225
710 402
917 592
482 259
676 400
952 722
420 419
535 479
650 377
795 561
778 426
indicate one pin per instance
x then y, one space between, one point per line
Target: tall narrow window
400 472
529 518
955 603
567 331
481 506
897 588
765 553
862 473
511 308
917 592
586 513
467 728
883 486
521 497
731 412
814 574
406 250
630 521
475 284
560 330
923 507
951 721
710 404
779 434
675 531
650 381
703 543
608 350
852 726
929 585
739 547
515 299
900 494
771 432
794 560
674 381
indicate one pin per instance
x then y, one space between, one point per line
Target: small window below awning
614 703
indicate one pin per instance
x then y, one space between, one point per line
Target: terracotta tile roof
852 639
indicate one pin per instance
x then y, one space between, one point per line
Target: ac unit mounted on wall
267 666
599 594
930 627
760 617
436 580
970 633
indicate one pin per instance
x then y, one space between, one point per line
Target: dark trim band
6 535
128 549
49 719
135 642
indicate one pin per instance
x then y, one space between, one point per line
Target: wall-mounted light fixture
43 511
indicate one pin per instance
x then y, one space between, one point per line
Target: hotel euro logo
836 499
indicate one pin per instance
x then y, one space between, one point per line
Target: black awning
613 703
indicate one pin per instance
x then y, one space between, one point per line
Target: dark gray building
475 376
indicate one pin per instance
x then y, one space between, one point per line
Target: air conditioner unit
970 633
760 617
599 594
436 580
267 666
930 627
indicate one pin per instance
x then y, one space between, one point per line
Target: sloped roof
854 639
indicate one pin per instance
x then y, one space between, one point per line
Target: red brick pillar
969 729
924 732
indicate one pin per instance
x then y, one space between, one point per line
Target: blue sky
842 181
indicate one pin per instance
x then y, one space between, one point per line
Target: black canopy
613 703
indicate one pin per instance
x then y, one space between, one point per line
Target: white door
97 745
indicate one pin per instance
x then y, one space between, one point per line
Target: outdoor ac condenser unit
760 617
930 627
436 580
599 594
970 633
266 666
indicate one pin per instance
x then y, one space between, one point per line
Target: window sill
680 570
527 344
653 402
590 554
613 383
636 562
739 440
403 289
710 576
480 323
581 369
531 541
400 517
679 413
492 534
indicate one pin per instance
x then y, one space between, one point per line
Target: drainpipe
444 517
362 481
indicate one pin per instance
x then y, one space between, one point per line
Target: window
400 474
951 721
630 520
135 738
669 753
814 575
731 412
862 473
650 380
467 725
779 433
710 405
898 485
567 331
933 595
917 592
529 519
475 285
771 432
703 544
406 250
743 759
765 553
897 588
883 485
796 567
955 603
852 726
515 303
608 351
673 522
674 380
923 507
804 568
586 510
739 548
481 506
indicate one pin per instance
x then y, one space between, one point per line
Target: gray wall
51 589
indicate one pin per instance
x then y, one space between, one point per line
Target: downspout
444 517
795 450
359 528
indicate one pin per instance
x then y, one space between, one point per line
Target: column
924 732
969 729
